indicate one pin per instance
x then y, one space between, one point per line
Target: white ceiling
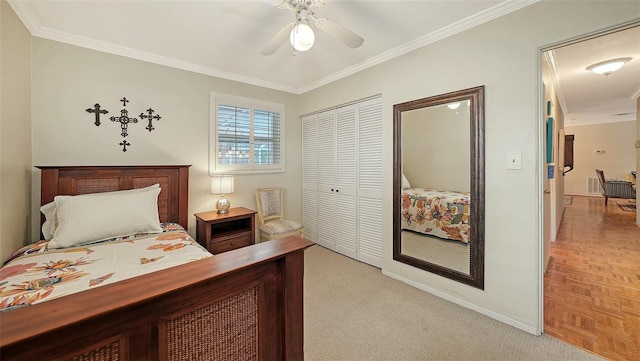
224 39
588 98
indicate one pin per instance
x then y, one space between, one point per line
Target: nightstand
224 232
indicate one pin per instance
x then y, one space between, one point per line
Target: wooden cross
96 109
124 121
150 117
124 145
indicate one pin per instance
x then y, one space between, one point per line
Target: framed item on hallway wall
550 140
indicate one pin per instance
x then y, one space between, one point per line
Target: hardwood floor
592 284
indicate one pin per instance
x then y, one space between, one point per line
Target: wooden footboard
244 304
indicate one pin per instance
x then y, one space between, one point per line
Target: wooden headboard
76 180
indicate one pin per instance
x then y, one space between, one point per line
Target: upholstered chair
613 188
270 215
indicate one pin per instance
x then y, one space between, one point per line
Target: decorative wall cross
124 145
151 117
124 120
96 109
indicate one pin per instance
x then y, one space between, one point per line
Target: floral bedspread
443 214
35 274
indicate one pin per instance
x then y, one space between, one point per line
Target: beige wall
554 200
15 131
68 79
504 56
619 158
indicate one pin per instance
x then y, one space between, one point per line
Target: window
246 135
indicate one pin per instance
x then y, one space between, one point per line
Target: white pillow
405 182
49 225
49 210
92 217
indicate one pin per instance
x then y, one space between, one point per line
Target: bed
444 214
244 304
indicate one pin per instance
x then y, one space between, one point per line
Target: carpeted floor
447 253
353 312
629 206
568 200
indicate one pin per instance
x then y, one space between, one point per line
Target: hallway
592 284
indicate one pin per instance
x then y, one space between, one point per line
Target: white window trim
214 167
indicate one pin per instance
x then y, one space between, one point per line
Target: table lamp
222 184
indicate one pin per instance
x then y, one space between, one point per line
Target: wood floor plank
592 282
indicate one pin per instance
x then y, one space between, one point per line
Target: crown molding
157 59
636 94
27 16
494 12
550 57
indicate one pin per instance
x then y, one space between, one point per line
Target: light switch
514 160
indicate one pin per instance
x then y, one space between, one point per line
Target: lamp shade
222 184
302 37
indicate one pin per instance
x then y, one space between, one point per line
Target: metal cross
150 117
124 145
96 109
124 121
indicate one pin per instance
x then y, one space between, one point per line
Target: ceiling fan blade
339 32
277 40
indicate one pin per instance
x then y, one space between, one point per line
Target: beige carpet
443 252
353 312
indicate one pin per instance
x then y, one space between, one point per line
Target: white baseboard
496 316
583 194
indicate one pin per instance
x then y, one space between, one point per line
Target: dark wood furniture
220 233
71 180
241 305
568 152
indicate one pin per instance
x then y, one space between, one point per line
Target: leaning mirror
438 185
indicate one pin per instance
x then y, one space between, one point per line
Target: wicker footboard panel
224 330
110 352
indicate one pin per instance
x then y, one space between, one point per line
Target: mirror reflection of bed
436 184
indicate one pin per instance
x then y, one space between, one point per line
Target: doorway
605 111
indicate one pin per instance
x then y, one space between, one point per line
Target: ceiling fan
300 33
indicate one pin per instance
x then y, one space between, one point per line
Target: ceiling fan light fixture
609 66
302 37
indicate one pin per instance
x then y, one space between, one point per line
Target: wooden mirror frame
475 95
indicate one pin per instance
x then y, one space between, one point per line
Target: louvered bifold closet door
326 150
310 177
346 177
370 182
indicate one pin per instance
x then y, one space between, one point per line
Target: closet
342 179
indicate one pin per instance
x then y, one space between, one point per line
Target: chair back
269 202
601 178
